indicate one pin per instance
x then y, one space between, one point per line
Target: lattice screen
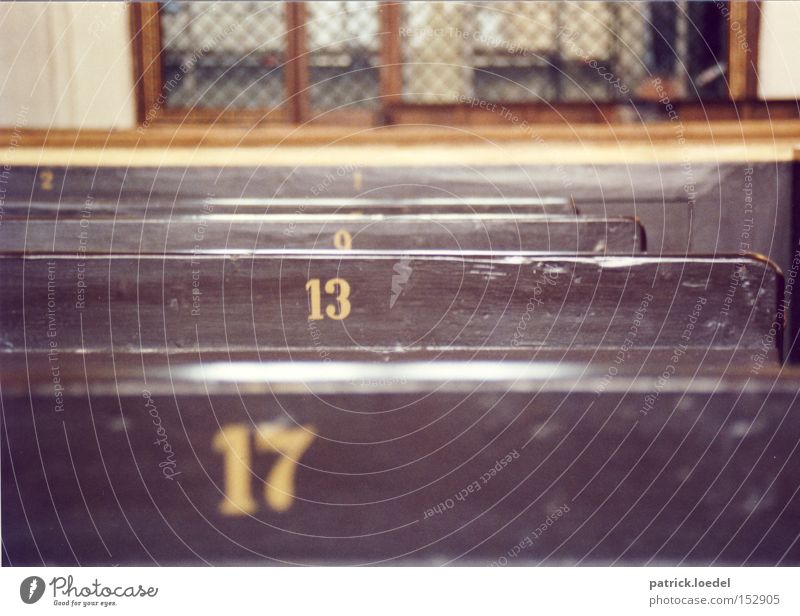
232 54
557 51
224 54
344 53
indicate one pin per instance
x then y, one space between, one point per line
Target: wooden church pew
467 462
217 232
197 184
158 206
340 300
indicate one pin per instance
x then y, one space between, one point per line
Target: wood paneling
297 71
160 136
148 69
744 22
391 75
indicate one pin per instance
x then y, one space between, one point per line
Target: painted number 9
342 240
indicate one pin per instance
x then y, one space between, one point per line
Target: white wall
66 65
779 50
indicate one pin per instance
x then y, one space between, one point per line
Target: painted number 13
335 286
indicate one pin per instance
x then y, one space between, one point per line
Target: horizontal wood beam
286 135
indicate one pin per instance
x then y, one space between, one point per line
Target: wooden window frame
148 74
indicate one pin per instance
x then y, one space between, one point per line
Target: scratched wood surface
159 207
245 233
387 301
457 463
167 183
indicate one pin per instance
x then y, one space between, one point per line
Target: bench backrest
157 206
406 462
393 300
313 231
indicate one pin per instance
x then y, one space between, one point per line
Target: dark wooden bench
503 464
339 300
195 183
197 234
159 206
351 407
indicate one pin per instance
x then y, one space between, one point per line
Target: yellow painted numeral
234 443
335 286
342 298
46 178
312 286
342 240
291 444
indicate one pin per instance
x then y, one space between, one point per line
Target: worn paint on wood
391 301
446 463
248 233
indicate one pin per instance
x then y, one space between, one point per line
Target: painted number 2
335 286
234 443
46 178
